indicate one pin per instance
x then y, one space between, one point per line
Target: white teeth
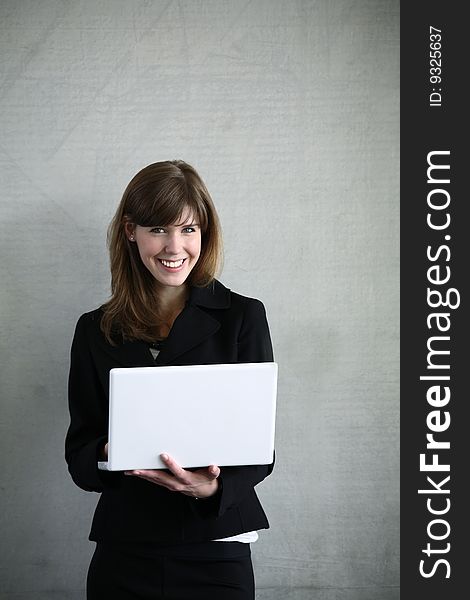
172 264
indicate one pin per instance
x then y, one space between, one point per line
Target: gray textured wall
289 110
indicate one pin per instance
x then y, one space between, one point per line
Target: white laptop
200 415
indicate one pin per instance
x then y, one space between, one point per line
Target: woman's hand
103 455
201 483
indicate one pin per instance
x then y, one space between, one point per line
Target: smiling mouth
172 264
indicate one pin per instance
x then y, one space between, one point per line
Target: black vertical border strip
425 129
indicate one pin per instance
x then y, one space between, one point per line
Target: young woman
179 534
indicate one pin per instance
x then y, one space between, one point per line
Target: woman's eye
189 229
157 230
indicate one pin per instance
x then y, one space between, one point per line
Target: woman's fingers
214 471
179 479
169 482
189 477
158 477
174 467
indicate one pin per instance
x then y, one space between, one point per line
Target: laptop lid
198 414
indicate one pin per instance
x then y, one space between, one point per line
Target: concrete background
289 110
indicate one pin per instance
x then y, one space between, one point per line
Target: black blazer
216 326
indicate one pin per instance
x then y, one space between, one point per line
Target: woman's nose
173 243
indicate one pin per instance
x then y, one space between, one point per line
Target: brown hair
159 194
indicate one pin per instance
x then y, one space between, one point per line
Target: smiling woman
166 214
166 308
169 253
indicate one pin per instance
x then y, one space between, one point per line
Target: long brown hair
159 194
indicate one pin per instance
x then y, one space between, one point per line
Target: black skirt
198 571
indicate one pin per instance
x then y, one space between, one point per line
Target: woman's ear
129 229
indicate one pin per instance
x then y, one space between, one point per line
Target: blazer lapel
192 327
131 354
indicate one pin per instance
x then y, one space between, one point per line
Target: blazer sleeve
88 429
254 345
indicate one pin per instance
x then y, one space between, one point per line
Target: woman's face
171 252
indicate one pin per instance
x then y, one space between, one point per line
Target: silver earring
132 238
